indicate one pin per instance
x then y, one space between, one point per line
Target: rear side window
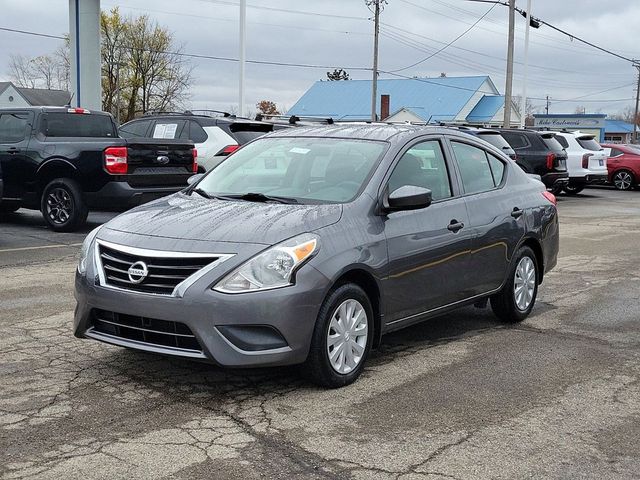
197 133
589 144
516 140
562 141
134 129
552 143
13 127
615 152
59 124
496 140
168 129
474 168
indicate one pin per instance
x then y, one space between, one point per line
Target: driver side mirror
408 197
194 178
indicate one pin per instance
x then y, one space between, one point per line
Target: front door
15 131
429 248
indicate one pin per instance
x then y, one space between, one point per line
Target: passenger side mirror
408 197
194 178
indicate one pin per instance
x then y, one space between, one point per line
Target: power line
13 30
448 44
286 10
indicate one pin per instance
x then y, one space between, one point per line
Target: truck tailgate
154 162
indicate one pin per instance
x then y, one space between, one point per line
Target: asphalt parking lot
461 396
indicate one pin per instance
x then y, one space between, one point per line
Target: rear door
496 220
18 168
429 248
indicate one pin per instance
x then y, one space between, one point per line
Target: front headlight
84 250
273 268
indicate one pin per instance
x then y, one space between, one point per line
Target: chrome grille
163 273
161 333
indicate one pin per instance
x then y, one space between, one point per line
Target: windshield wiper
261 197
202 193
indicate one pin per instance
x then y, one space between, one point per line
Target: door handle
12 150
516 212
454 226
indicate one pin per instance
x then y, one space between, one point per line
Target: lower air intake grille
155 332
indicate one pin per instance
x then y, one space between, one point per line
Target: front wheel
62 205
623 180
342 337
556 190
516 299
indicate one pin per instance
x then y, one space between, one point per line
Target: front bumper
122 196
289 311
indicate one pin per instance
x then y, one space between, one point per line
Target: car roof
364 131
48 109
201 119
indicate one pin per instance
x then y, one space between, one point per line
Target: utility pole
546 109
374 84
243 41
523 107
635 113
509 84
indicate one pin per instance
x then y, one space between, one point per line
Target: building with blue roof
617 131
474 100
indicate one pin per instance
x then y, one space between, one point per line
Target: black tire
62 205
623 180
573 189
318 365
504 304
556 190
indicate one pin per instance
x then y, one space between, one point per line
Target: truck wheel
342 337
516 299
62 205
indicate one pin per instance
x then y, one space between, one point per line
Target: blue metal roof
438 99
486 108
617 126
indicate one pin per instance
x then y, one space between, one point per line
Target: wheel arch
367 281
534 244
52 169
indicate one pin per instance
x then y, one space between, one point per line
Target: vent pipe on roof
384 106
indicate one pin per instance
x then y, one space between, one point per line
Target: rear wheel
556 189
517 298
623 180
62 205
342 337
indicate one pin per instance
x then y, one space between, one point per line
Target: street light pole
523 106
509 82
243 40
374 84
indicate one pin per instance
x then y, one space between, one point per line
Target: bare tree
338 74
21 71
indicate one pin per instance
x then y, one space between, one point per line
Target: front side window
13 127
474 168
423 165
308 170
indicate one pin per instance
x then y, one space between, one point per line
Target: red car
623 165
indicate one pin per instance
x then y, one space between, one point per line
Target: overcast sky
340 33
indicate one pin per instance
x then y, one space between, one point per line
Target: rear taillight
551 157
115 160
195 161
585 160
228 150
77 110
550 196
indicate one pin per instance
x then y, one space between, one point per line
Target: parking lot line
39 248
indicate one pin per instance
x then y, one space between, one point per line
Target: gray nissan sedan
309 244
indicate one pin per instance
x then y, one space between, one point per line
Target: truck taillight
585 160
77 110
195 161
115 160
551 157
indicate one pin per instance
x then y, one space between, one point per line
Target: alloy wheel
622 180
347 336
524 283
59 205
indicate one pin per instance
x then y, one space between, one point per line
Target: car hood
189 217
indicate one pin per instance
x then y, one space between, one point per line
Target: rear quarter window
589 144
516 140
552 143
562 141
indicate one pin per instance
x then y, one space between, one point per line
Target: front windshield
309 170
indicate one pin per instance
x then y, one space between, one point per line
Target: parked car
66 161
623 165
308 244
215 134
1 187
493 137
586 160
540 153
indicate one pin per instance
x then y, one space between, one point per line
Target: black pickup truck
67 161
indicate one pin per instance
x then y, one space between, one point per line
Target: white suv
586 160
